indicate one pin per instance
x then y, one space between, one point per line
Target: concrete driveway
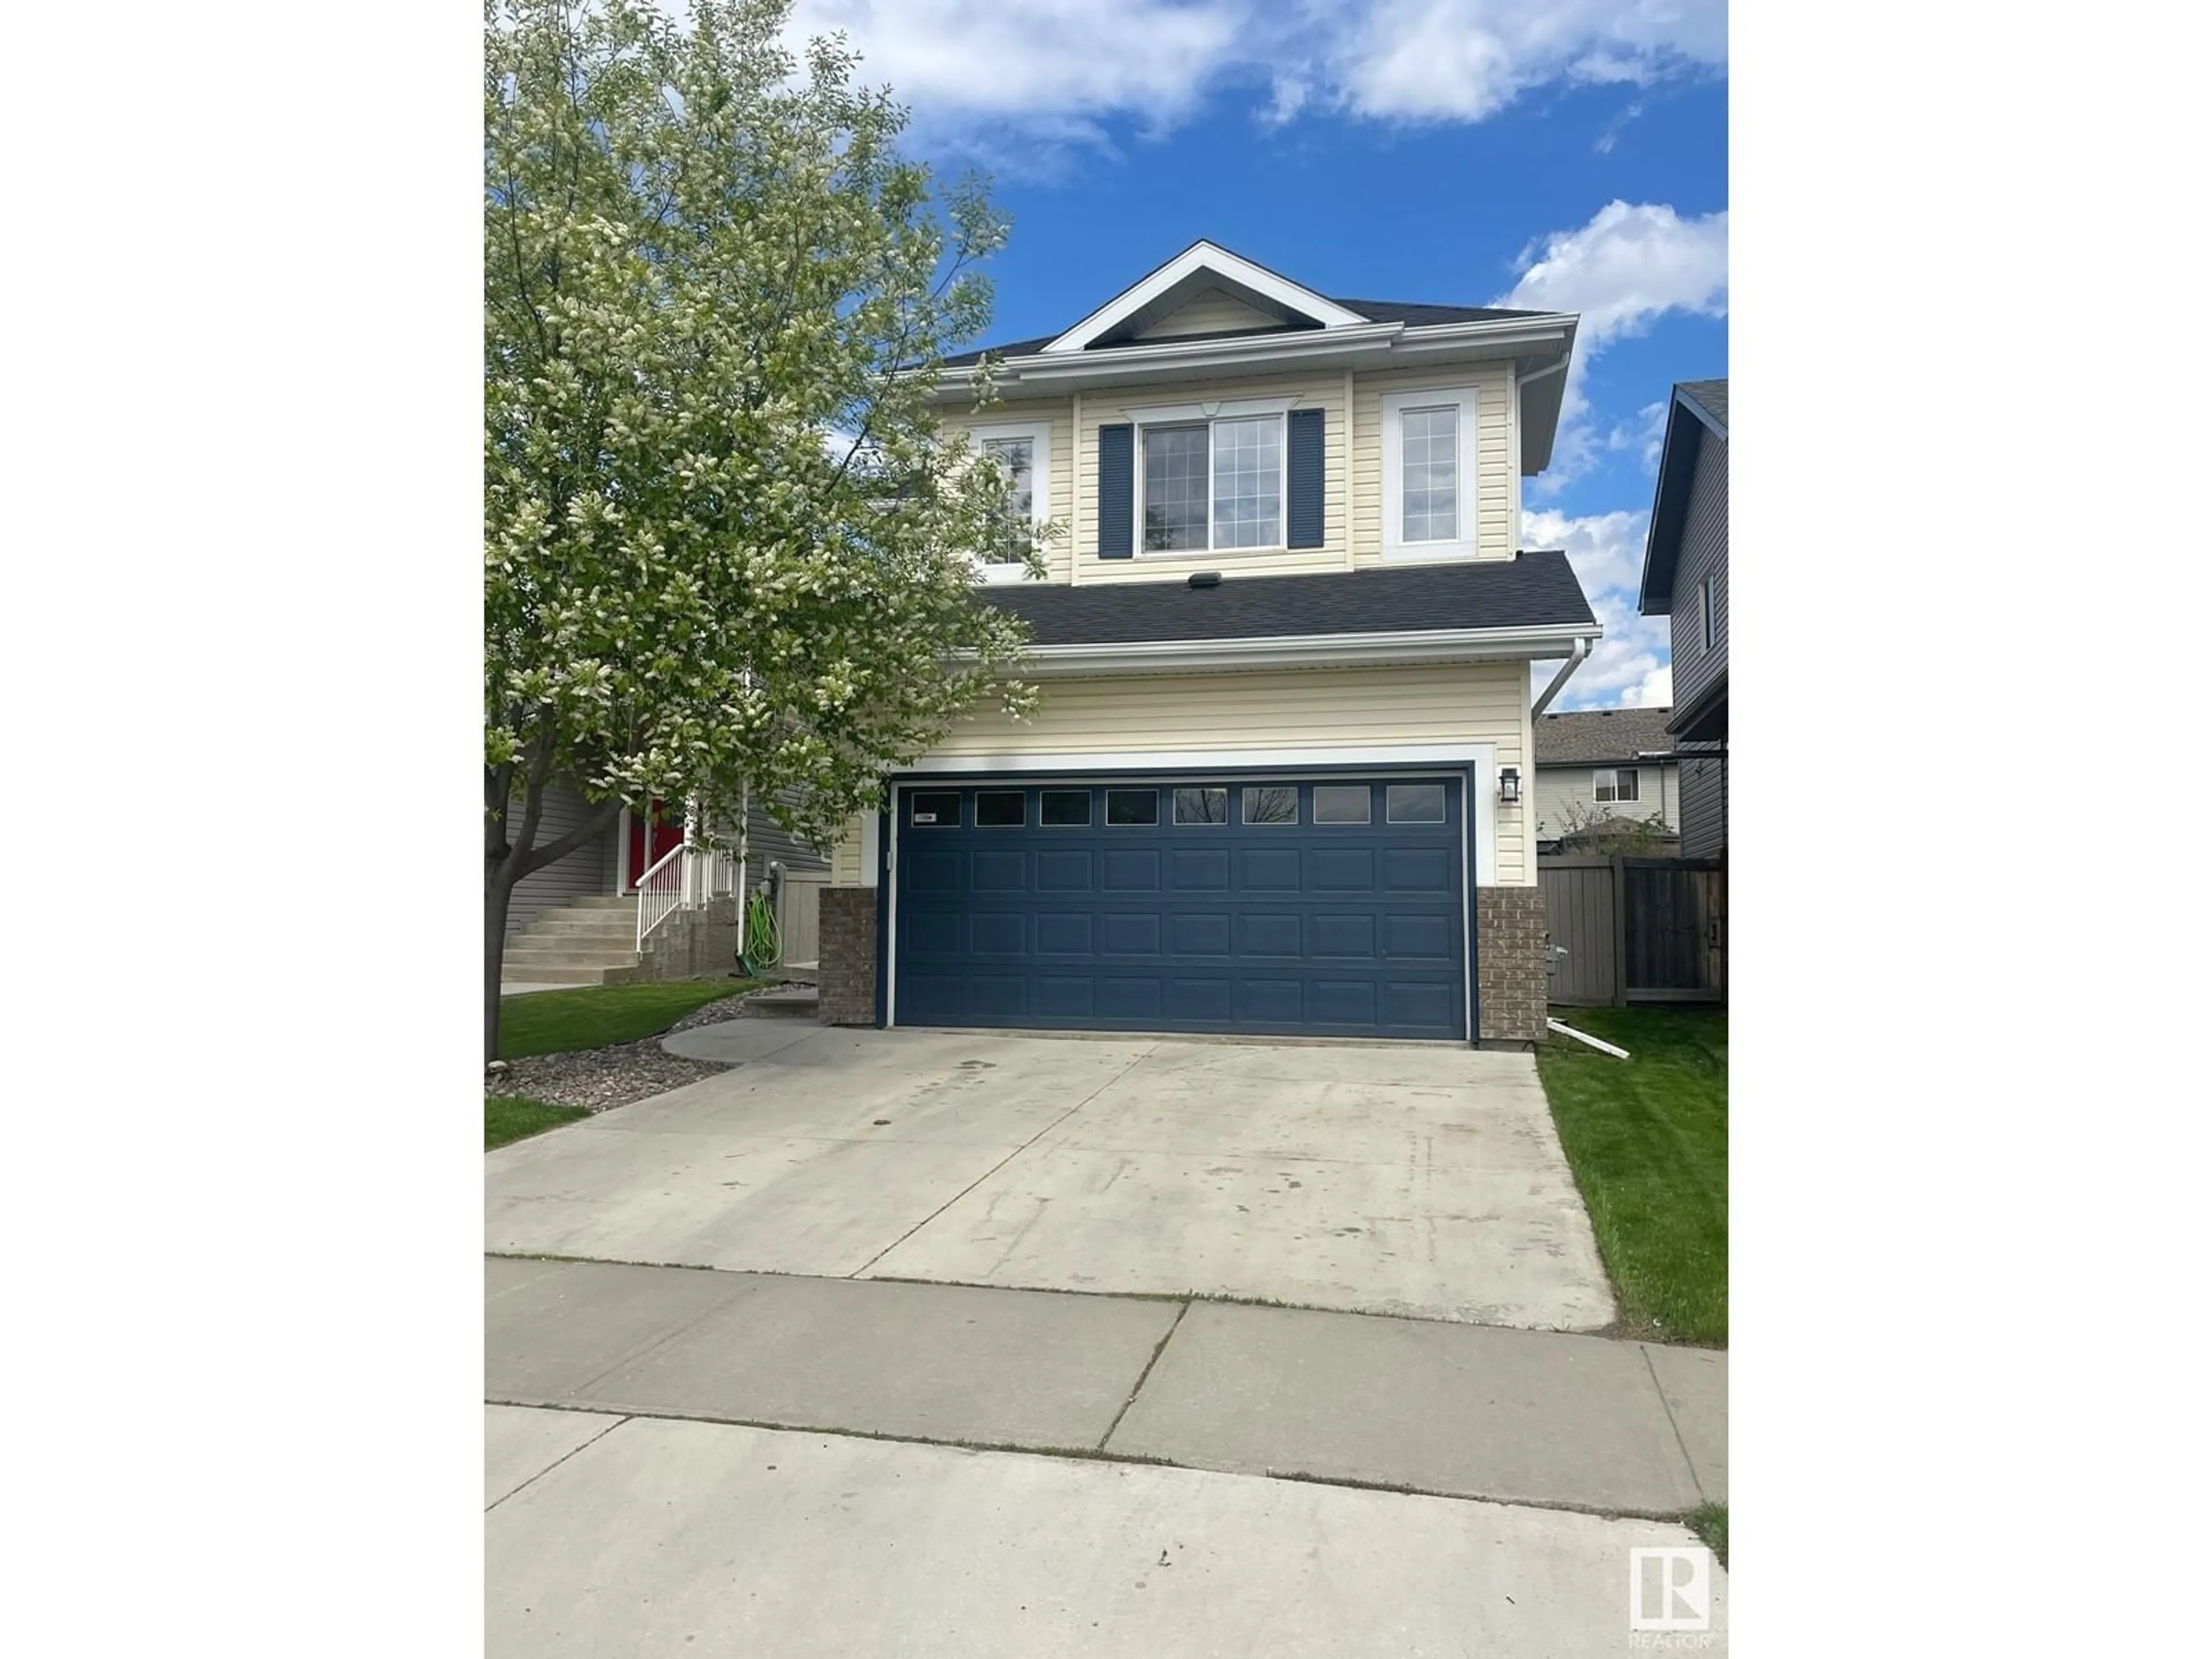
1401 1179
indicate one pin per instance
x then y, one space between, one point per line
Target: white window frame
1706 614
1209 414
1039 433
1394 407
1617 773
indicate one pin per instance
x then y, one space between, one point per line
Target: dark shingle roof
1711 396
1532 591
1421 316
1379 311
1012 349
1595 736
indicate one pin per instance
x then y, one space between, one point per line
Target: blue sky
1570 155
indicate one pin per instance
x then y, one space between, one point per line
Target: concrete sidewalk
1527 1416
626 1538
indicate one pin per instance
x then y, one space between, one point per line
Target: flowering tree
723 545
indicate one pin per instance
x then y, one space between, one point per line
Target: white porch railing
661 890
687 878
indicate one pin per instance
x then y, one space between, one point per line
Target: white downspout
744 825
1576 658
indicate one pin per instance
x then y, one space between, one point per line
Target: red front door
651 842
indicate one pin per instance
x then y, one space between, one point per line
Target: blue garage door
1316 908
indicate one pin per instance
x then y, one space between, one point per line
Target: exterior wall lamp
1509 786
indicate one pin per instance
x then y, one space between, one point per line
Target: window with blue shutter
1116 491
1306 489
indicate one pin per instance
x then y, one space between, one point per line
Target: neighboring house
576 922
1278 780
1604 763
1686 577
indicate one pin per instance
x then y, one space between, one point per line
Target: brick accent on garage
848 956
1512 936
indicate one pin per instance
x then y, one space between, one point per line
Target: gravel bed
597 1079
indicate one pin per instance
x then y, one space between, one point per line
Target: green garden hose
763 945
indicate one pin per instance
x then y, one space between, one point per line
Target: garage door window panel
1414 803
1065 809
1132 808
1343 804
1001 809
934 809
1201 806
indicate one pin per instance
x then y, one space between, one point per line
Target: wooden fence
1636 930
798 916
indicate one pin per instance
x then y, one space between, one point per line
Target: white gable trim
1203 256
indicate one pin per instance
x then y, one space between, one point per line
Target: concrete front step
791 1002
548 956
605 901
538 973
591 924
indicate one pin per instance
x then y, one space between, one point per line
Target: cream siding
1559 788
1321 392
1372 708
1058 414
845 856
1496 475
1213 312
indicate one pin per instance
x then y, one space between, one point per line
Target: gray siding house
601 869
1686 579
1604 763
583 920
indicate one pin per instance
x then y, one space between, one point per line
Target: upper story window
1428 454
1428 473
1018 456
1024 452
1209 485
1706 626
1612 783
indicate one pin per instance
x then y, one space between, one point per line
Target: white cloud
1646 434
1630 668
1463 60
1052 69
1626 269
1611 136
1605 549
980 73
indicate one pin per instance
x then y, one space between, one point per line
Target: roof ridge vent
1205 579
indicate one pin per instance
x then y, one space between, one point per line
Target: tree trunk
508 862
499 890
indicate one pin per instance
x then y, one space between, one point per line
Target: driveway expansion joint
1144 1376
1139 1061
1668 1406
556 1463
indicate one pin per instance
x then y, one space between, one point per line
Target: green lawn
1648 1139
598 1015
510 1117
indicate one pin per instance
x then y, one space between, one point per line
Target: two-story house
1686 579
1598 764
1278 783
